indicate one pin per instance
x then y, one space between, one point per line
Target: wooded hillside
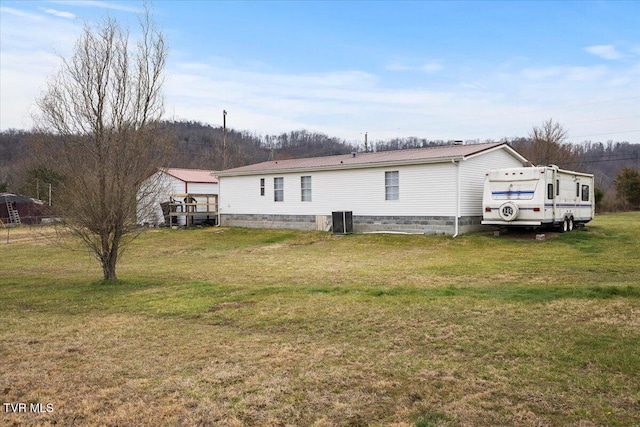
199 145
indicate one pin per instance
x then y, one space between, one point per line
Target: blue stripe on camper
499 193
563 205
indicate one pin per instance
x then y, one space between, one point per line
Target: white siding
472 174
424 190
201 188
167 184
170 184
161 184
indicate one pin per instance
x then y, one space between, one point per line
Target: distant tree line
199 145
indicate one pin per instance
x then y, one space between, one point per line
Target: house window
391 185
585 193
305 187
278 189
262 186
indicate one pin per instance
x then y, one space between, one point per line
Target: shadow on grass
529 294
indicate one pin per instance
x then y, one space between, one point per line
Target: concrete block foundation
361 223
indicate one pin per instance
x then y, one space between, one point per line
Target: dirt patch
524 234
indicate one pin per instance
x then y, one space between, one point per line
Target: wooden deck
193 207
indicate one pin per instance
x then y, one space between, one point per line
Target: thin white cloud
431 67
428 67
619 81
121 6
58 13
541 73
491 106
604 51
21 13
560 73
586 73
396 66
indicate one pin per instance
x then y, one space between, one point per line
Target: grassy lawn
273 327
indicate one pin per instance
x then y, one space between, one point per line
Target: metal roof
18 198
434 154
193 175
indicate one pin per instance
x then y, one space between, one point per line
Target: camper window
585 193
577 189
557 187
550 191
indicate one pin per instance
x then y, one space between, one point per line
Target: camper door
553 189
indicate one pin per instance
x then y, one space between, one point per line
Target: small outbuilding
17 209
427 190
180 197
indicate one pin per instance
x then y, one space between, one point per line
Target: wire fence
30 228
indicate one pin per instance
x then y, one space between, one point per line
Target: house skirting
361 223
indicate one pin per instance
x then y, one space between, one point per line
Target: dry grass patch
257 327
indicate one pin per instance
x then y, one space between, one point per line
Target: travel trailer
538 196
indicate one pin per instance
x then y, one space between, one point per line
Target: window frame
278 189
306 192
392 185
262 186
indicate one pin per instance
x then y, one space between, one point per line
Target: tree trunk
109 270
109 260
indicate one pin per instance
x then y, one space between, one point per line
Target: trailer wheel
508 211
571 224
567 225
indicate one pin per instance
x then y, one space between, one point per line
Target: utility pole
366 147
224 139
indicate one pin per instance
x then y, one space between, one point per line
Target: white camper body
538 196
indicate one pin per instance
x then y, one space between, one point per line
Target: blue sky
470 70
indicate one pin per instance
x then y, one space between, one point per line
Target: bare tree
103 109
547 144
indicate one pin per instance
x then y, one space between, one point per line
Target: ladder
14 216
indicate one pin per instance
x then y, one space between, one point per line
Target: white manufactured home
427 190
538 196
180 197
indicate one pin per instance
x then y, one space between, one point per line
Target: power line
610 160
560 107
603 120
607 133
569 106
602 160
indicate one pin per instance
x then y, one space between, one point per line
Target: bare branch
103 107
547 144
